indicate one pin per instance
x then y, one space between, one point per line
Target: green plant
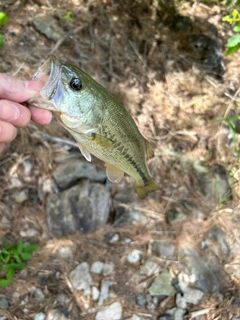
12 257
3 20
68 16
233 43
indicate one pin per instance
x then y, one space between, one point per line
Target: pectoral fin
114 174
85 152
101 140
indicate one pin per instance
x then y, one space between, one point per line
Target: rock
60 313
82 208
218 237
175 215
20 197
80 277
179 313
193 296
108 268
205 279
4 303
29 233
133 257
180 301
113 312
166 317
128 218
104 291
148 268
69 172
163 249
36 293
134 317
48 26
40 316
97 267
161 285
125 196
65 252
95 293
141 300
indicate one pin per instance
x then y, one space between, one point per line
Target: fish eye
76 84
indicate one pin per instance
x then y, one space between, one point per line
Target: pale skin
13 114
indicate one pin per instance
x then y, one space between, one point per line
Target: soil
145 54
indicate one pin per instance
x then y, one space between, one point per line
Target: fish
99 123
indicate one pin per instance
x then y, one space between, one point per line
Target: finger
18 90
14 113
7 132
41 116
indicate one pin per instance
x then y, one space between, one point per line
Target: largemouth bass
98 122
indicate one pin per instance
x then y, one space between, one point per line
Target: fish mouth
49 74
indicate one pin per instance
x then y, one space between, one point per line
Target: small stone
40 316
166 317
65 252
163 249
80 277
113 312
134 317
133 257
148 268
48 26
179 313
129 218
181 301
74 169
216 234
29 233
20 197
108 268
60 313
39 295
104 291
175 215
95 293
97 267
4 303
141 300
161 285
193 296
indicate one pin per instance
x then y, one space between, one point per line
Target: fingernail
9 112
33 85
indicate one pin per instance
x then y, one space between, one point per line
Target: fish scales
98 122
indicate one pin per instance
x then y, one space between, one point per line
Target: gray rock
95 293
108 268
141 300
65 252
40 316
166 317
20 196
206 280
111 312
134 317
59 313
128 218
148 268
175 215
218 237
163 249
161 285
67 173
179 313
104 291
80 277
181 301
97 267
82 208
4 303
133 257
48 26
193 296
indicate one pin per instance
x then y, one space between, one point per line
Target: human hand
12 113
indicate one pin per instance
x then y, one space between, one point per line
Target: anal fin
85 152
114 174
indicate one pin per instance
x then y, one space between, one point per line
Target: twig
68 34
59 140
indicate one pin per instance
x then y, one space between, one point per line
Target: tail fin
151 186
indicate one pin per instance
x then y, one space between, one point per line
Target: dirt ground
146 55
